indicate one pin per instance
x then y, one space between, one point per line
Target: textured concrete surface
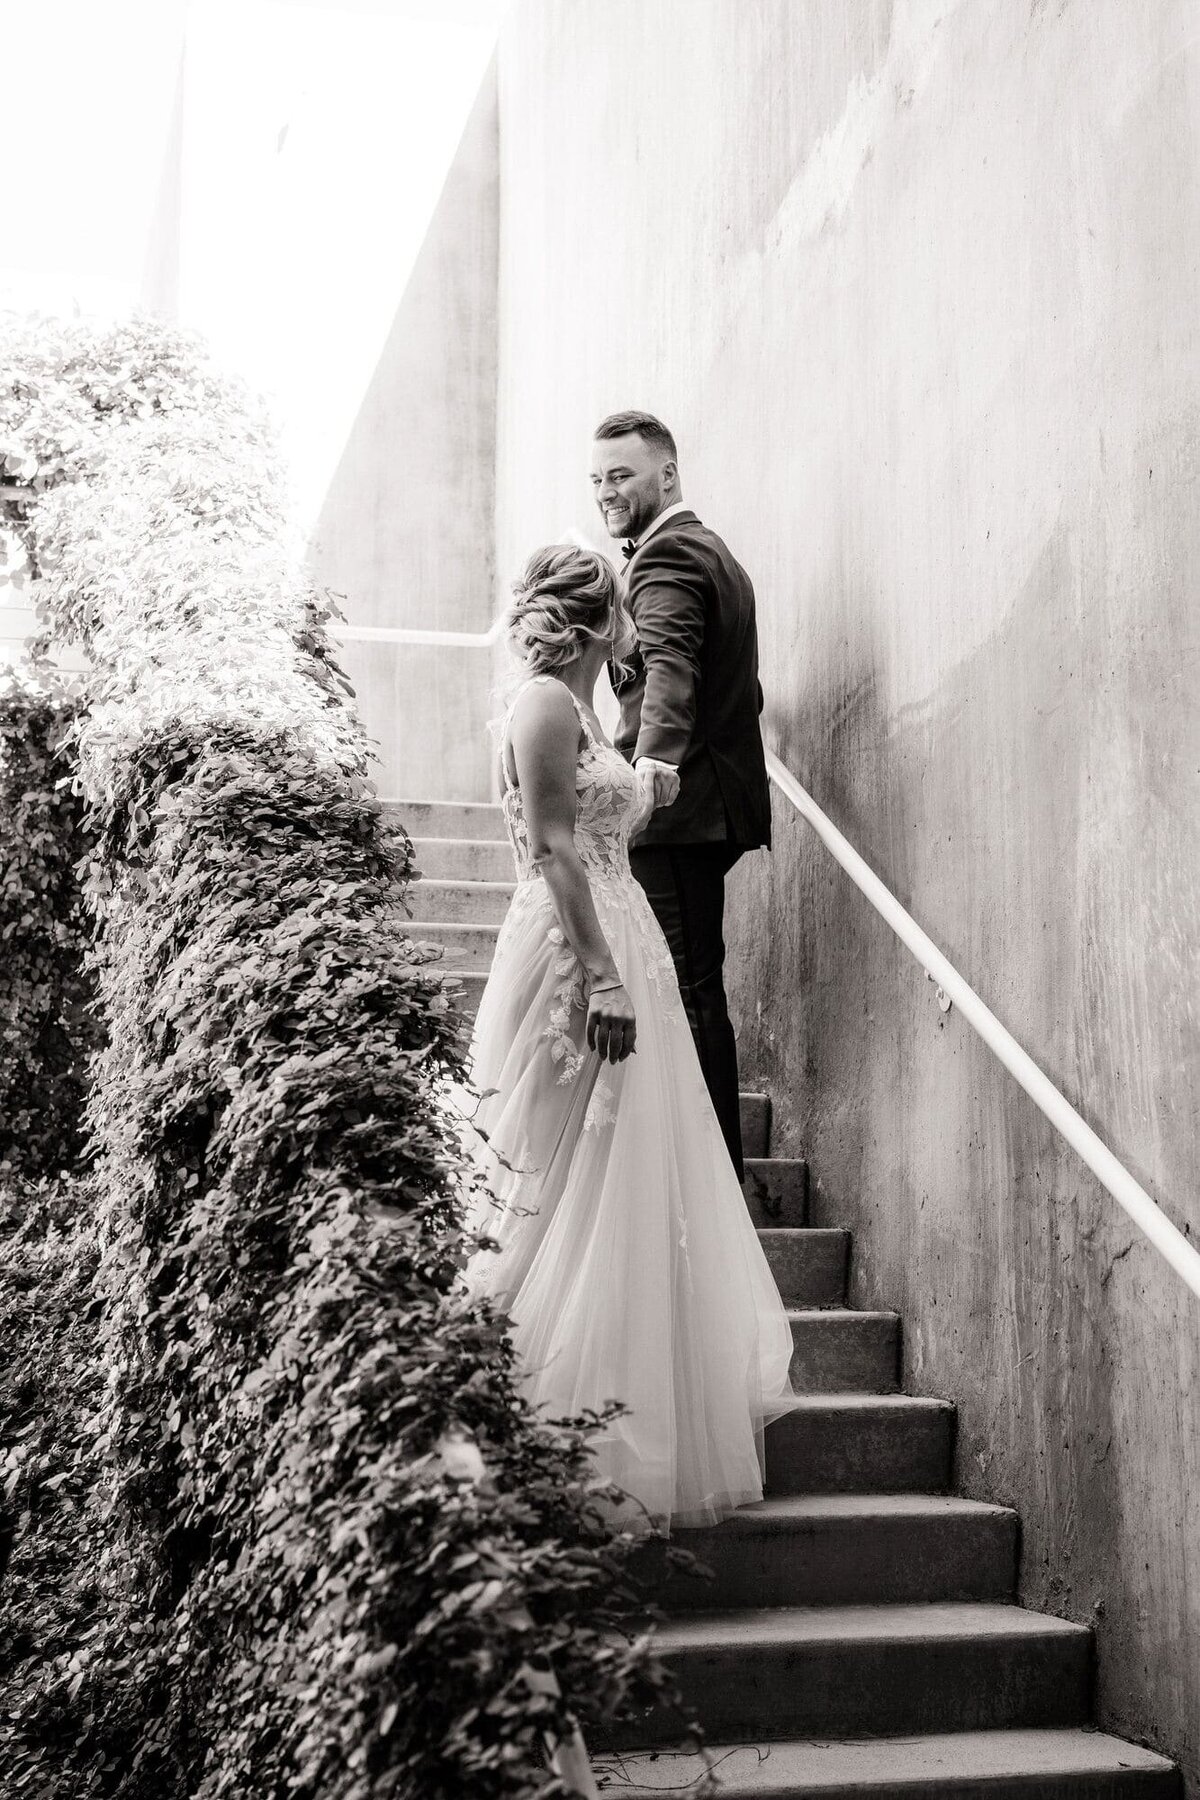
861 1671
845 1550
836 1351
460 859
809 1265
860 1444
961 1765
776 1187
915 284
478 902
406 528
457 820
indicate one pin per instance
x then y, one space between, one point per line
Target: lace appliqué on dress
630 899
608 801
568 998
661 969
602 1108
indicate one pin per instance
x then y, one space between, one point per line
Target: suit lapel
683 518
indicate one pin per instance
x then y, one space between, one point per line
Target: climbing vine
48 1026
332 1553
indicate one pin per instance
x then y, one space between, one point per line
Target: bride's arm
545 736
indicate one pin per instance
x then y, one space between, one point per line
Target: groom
689 719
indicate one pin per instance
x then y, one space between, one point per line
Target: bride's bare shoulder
546 722
545 705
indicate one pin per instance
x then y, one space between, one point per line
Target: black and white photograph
600 900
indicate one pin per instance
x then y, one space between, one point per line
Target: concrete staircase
859 1635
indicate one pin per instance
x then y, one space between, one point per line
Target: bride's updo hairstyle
565 599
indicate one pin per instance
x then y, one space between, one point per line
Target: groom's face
627 480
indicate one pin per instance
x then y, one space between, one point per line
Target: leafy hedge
47 1025
340 1557
56 1595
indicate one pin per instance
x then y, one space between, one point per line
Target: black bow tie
628 548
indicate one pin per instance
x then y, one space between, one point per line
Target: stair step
463 859
809 1265
447 818
471 983
776 1189
1030 1764
844 1550
756 1127
462 902
837 1351
863 1671
466 946
468 985
860 1444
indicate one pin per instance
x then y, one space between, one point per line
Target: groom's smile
632 483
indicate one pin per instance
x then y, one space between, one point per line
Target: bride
625 1256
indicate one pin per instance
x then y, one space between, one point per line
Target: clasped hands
660 782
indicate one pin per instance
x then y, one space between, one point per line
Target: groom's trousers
685 885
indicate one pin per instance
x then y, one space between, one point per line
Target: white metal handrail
1146 1214
411 634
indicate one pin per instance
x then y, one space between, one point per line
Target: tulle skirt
627 1262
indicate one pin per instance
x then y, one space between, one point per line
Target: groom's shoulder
679 543
687 543
691 535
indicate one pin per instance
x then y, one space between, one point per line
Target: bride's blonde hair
566 598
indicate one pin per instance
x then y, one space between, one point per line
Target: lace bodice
608 803
609 808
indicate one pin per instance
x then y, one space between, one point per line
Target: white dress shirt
668 512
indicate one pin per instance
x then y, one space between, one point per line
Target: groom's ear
670 472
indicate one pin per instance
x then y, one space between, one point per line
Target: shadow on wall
406 530
1027 1296
826 736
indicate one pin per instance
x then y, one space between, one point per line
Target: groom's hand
661 781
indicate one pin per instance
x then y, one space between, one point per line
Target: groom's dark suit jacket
692 696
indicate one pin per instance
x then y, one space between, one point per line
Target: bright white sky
266 167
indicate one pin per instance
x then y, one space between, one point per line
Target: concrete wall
340 219
916 286
406 530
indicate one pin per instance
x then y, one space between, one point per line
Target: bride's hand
611 1025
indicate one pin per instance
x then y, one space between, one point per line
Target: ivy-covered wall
309 1538
48 1025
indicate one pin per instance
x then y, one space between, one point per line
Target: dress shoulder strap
539 681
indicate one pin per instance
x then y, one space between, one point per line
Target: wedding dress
627 1262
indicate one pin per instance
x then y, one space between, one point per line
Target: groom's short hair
650 429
